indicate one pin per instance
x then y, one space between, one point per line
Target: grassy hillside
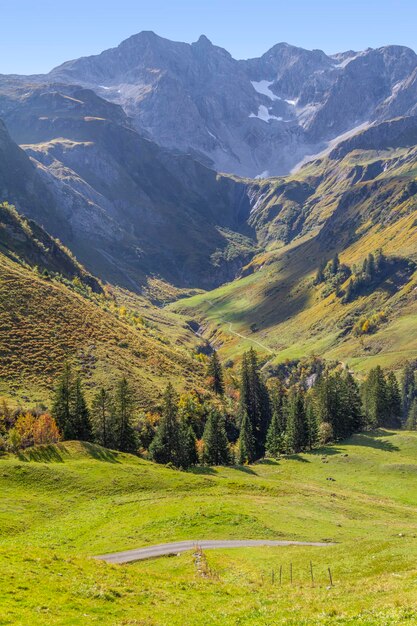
63 504
63 313
351 205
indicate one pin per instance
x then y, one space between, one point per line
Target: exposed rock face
120 150
125 206
259 116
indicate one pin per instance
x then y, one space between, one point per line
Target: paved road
164 549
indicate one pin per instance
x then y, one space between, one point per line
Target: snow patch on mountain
263 87
264 115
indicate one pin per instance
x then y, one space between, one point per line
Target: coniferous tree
216 448
312 425
394 409
124 403
215 374
275 438
246 441
335 264
61 408
374 393
297 435
408 389
80 414
102 419
411 423
353 406
188 446
166 445
254 400
320 273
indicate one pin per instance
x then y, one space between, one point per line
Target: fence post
311 573
330 577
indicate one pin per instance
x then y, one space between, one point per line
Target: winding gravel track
164 549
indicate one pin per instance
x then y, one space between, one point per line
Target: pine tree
166 445
374 393
297 436
371 266
408 389
216 448
188 446
335 264
246 443
394 409
411 423
254 400
102 419
312 426
61 408
124 403
275 443
80 414
352 406
320 273
215 374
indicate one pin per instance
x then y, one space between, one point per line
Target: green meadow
61 505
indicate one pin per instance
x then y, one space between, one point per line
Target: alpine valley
208 337
170 170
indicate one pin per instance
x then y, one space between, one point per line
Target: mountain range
170 168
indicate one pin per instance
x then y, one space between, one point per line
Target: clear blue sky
37 35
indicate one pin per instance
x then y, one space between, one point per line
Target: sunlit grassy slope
62 504
353 206
44 322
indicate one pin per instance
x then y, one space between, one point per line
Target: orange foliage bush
45 430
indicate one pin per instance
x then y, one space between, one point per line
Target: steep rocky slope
249 117
126 207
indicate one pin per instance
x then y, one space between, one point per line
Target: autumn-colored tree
24 427
45 430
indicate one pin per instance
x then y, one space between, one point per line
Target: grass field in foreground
62 504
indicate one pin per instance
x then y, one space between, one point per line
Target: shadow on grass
372 440
202 470
268 461
298 457
44 454
245 469
100 454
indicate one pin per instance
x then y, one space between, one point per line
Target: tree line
285 414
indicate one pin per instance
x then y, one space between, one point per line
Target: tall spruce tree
374 395
297 435
188 446
408 389
246 443
312 425
80 414
254 400
352 406
166 445
411 423
61 408
215 374
124 403
275 438
102 419
216 447
394 409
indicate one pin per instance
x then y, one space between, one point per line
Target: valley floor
62 504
